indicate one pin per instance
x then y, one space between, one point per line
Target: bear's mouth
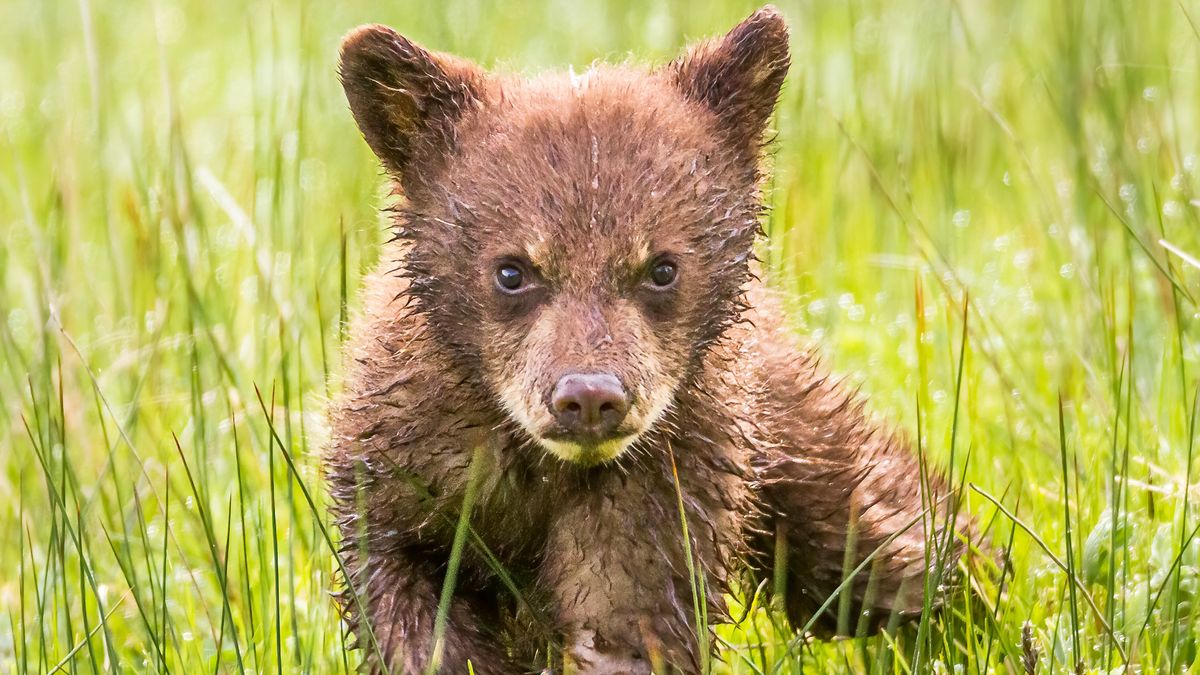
556 433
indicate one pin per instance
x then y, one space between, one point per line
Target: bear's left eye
509 277
663 273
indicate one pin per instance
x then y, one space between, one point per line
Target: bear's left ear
738 76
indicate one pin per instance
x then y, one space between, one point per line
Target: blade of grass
456 551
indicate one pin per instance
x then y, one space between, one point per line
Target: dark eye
509 277
663 273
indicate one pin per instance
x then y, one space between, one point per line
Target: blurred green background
983 214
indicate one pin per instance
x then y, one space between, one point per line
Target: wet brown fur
585 179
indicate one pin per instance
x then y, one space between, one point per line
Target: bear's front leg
399 593
615 565
839 488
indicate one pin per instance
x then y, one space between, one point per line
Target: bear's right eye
509 278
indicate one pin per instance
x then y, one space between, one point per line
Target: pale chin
590 454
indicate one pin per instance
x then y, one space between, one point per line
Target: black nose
589 404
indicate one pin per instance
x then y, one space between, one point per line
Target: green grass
971 204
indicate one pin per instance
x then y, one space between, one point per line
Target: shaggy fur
576 555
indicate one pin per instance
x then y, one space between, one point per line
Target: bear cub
573 414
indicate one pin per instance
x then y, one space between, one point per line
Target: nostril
572 407
607 407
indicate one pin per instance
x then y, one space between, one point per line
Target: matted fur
585 180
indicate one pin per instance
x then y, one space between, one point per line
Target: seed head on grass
1029 650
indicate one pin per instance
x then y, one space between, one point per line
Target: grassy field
983 212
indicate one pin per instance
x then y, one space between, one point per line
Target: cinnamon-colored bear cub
567 354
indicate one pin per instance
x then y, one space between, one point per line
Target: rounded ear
407 101
738 76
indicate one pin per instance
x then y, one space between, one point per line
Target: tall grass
985 213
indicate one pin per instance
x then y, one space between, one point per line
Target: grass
985 212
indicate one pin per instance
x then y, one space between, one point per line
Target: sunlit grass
985 213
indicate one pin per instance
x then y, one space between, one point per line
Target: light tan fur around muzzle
575 338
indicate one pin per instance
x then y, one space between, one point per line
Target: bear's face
578 242
601 239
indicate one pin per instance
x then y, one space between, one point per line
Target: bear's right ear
407 101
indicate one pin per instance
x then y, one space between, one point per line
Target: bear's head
579 242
